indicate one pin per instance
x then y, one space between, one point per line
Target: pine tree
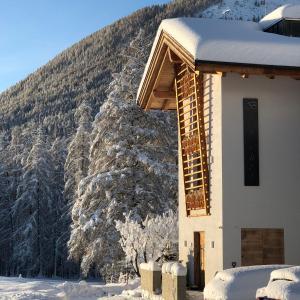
77 161
75 168
34 210
60 231
132 168
12 154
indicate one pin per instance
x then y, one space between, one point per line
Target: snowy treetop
287 11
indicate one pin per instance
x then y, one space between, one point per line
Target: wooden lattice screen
190 110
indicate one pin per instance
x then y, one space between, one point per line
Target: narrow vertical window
251 154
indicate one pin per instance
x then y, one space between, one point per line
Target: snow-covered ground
13 288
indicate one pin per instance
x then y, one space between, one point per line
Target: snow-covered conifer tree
12 154
33 211
77 162
132 168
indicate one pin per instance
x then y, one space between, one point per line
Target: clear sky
34 31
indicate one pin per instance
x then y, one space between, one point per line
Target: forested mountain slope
82 72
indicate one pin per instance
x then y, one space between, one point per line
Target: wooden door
199 259
262 246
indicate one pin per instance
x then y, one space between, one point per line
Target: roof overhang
157 89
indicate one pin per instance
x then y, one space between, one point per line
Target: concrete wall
209 224
173 287
276 202
151 281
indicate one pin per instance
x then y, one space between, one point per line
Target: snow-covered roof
287 11
232 42
220 42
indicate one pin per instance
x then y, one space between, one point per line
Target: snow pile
239 283
166 267
178 270
150 296
281 289
150 266
132 293
174 268
77 291
291 274
284 284
13 288
288 11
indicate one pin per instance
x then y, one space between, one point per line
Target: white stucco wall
209 224
276 202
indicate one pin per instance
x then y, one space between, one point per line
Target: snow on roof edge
242 42
287 11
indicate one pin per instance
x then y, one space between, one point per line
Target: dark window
251 158
286 27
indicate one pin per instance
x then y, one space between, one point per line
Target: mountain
243 9
50 95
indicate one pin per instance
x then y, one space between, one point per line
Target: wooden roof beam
173 57
247 69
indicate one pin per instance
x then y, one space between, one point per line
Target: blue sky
34 31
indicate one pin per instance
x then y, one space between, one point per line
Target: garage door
262 246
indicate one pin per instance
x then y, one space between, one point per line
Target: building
236 88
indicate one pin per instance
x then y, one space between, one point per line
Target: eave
249 69
157 89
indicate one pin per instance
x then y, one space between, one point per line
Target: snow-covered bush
154 239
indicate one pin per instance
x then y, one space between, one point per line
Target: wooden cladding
199 259
262 246
190 110
251 154
286 27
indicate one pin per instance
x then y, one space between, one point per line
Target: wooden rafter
173 57
207 67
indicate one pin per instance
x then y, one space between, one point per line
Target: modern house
236 88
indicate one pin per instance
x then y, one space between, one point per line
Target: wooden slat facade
190 110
